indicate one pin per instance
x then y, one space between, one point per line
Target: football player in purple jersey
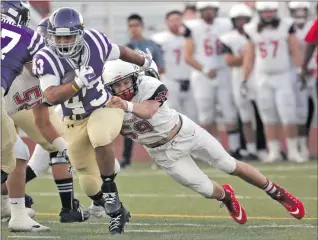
18 46
90 126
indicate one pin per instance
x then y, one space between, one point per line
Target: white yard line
34 237
199 225
216 173
156 195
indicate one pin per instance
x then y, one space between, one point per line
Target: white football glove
85 75
148 59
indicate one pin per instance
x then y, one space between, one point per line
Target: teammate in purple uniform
18 45
90 127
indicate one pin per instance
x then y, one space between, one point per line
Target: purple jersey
18 46
95 52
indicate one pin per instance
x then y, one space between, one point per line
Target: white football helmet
240 10
296 5
263 6
203 5
118 70
299 11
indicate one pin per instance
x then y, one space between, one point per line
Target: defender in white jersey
272 42
172 138
210 76
177 72
233 46
300 12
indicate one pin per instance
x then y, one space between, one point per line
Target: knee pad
56 158
4 176
21 150
226 164
40 160
90 182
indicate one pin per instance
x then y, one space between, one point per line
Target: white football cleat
97 211
6 209
24 223
296 157
273 157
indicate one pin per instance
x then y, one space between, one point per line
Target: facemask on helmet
66 32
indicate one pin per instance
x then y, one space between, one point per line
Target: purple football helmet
17 11
42 27
66 32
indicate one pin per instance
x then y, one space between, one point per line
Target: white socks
251 148
17 206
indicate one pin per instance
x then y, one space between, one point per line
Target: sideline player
273 45
171 139
177 72
210 77
71 48
233 46
300 12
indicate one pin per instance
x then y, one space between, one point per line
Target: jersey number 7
8 46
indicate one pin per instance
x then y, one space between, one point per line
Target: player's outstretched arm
128 55
47 129
144 110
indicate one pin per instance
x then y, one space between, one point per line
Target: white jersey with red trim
147 131
206 40
25 93
173 48
272 53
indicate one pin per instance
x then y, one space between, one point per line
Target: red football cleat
293 205
236 211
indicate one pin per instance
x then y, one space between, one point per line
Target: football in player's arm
61 93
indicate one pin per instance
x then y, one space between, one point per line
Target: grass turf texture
162 209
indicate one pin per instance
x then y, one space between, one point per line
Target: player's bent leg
20 220
105 158
38 164
8 139
71 210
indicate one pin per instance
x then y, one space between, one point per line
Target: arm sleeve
36 43
226 49
187 33
48 80
292 30
160 94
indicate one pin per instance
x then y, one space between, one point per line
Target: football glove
85 75
148 59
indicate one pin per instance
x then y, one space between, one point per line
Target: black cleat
28 201
77 214
237 154
118 221
251 157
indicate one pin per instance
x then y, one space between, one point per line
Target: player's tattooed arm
59 94
248 60
128 55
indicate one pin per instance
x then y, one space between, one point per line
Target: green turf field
162 209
